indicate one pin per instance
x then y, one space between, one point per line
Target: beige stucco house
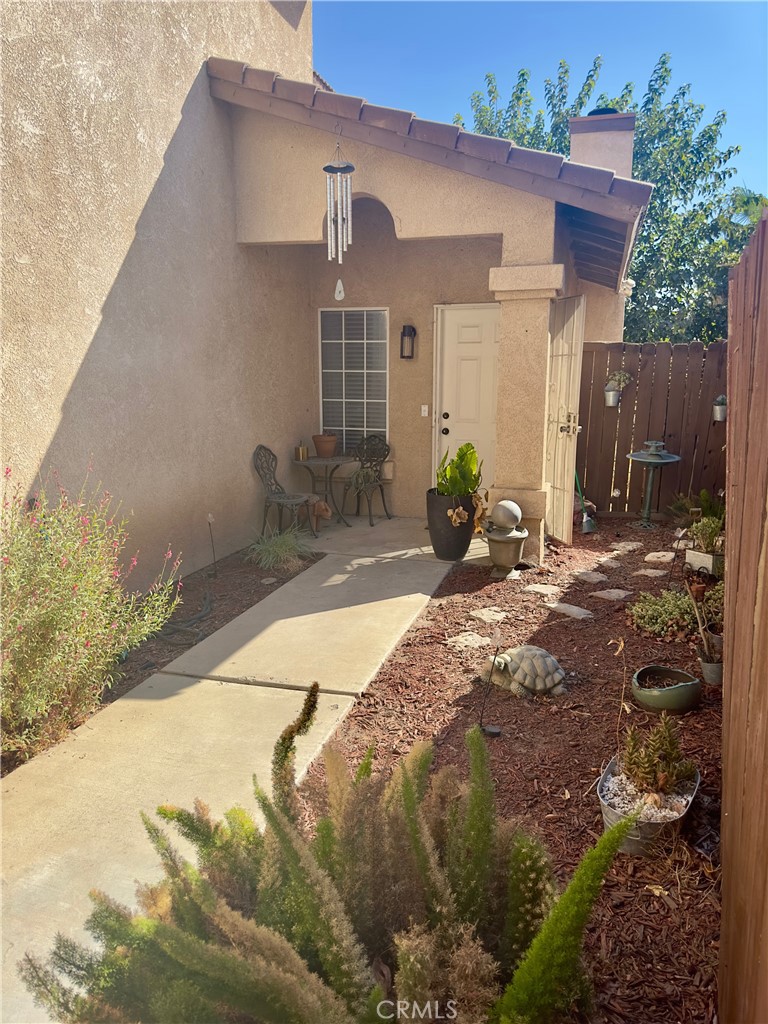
169 301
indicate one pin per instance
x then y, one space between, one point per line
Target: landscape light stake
213 549
489 730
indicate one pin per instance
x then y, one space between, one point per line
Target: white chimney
604 138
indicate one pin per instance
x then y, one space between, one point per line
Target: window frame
353 309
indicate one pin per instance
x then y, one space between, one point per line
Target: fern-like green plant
413 879
550 978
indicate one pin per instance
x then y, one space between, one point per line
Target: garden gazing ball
525 671
506 514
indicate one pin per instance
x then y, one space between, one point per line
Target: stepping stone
547 589
650 572
572 610
468 641
625 546
590 577
269 579
610 563
492 614
663 557
611 595
506 574
682 544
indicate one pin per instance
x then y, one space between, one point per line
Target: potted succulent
455 508
719 408
707 552
614 385
325 444
651 776
659 688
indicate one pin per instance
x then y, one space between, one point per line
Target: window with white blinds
353 362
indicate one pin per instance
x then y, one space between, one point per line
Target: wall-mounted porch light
407 342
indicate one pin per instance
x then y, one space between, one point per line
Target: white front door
467 347
566 346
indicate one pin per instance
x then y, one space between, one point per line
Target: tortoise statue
525 671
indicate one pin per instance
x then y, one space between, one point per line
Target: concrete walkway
201 728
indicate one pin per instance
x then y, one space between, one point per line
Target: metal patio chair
371 453
265 464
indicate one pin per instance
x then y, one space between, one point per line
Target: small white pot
611 398
718 413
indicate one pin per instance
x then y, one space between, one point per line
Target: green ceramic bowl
683 694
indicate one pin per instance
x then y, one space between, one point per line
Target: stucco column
525 295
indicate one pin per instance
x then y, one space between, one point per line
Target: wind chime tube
339 216
349 209
329 223
345 194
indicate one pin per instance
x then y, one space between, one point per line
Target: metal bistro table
322 483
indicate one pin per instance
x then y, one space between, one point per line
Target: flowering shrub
67 615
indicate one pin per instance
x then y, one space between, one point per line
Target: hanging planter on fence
719 408
614 385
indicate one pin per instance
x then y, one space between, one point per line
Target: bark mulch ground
652 945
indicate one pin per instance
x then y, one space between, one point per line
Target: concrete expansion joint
269 684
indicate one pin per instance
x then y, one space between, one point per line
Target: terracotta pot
325 445
644 839
450 543
684 695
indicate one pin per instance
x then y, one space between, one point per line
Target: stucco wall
136 330
279 165
410 278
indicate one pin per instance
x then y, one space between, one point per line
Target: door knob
446 415
445 430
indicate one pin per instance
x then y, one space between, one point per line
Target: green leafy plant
707 534
67 615
669 613
274 926
283 552
655 765
706 504
461 475
721 400
617 380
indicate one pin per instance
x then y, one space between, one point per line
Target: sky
428 57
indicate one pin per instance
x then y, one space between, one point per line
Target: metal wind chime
338 175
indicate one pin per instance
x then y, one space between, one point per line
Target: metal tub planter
646 837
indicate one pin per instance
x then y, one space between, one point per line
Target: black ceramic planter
450 543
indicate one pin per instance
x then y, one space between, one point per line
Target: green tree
695 227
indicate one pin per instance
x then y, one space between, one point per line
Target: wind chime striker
338 176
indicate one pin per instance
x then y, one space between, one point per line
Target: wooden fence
669 399
744 937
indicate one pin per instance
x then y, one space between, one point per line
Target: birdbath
654 457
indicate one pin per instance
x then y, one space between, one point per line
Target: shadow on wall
201 352
291 10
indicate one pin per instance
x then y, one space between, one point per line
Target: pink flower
19 629
179 585
84 520
6 559
87 643
7 472
116 574
134 562
64 561
168 554
84 539
74 587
